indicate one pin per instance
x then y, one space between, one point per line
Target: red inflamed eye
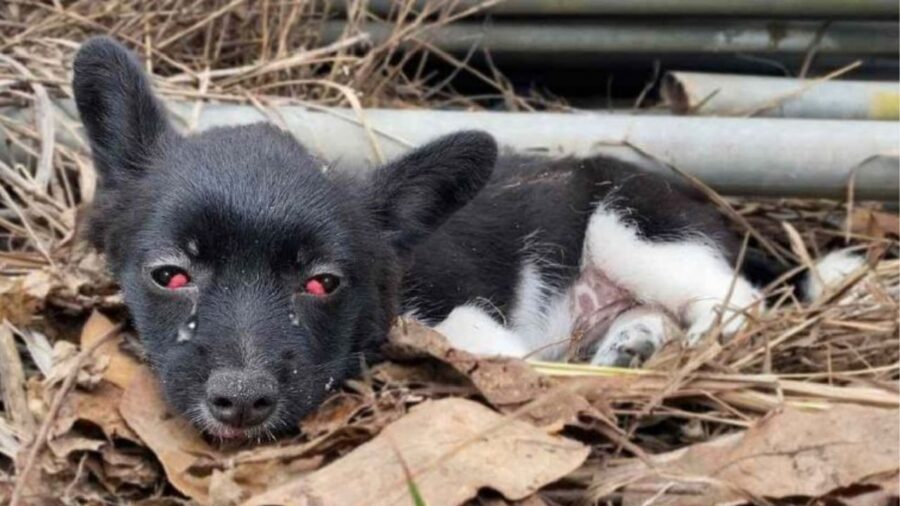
321 285
170 277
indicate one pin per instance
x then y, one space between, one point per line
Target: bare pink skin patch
596 301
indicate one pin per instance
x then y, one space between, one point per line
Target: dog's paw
634 337
831 271
703 315
709 318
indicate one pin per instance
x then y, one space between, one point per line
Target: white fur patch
540 316
688 277
538 326
832 270
472 329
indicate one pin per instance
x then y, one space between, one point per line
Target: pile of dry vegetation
799 408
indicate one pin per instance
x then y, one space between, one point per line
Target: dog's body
258 281
555 248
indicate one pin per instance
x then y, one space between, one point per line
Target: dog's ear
124 121
415 194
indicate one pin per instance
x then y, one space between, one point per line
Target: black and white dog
258 280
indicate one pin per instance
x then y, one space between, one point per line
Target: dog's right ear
124 121
413 195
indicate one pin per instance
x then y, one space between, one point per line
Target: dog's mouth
204 421
229 433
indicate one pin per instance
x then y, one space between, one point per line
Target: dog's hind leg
686 273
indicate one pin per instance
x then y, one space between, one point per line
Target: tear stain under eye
293 315
187 329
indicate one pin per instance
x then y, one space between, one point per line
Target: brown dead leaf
16 305
793 453
335 413
203 473
507 383
122 367
99 407
131 467
874 223
12 383
237 484
453 447
63 446
65 357
530 501
37 284
176 444
110 460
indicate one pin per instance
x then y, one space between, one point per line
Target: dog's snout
239 398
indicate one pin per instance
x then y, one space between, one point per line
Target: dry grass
843 348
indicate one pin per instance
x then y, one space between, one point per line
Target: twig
12 377
44 113
812 83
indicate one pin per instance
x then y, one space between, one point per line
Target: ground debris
452 448
791 454
508 384
799 408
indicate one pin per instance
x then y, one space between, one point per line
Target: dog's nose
241 398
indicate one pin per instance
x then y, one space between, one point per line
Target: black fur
539 206
249 212
261 214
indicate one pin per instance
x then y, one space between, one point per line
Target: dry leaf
65 357
37 284
507 383
335 413
122 367
16 305
453 447
63 446
205 474
128 467
874 223
793 453
530 501
98 407
237 484
176 444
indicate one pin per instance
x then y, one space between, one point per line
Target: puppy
259 281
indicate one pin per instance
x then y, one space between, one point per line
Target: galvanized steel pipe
737 95
842 9
537 39
771 157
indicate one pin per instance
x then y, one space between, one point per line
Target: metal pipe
771 157
737 95
810 9
659 37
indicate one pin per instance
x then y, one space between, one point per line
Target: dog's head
257 280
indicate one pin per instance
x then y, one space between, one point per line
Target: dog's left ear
414 195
